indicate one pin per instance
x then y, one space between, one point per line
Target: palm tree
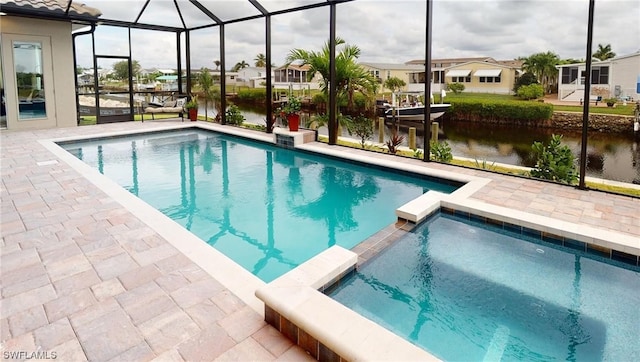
239 65
217 63
350 77
543 66
604 52
261 60
395 84
210 94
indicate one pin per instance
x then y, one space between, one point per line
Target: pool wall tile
575 244
599 250
447 210
272 317
513 227
552 238
537 234
327 355
463 214
308 343
477 218
624 257
289 329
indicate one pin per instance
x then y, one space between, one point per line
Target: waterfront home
617 77
384 71
484 77
295 76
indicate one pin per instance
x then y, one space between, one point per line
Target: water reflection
267 208
609 156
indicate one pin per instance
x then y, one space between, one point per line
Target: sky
386 31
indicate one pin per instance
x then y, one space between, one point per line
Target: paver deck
83 278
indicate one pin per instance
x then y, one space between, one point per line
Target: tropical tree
239 65
525 79
543 66
121 69
350 76
394 84
210 94
261 60
217 63
604 52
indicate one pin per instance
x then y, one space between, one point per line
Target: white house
384 71
254 77
294 77
617 77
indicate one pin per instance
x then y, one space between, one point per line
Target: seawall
597 122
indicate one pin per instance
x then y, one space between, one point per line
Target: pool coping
245 285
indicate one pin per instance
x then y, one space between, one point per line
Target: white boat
411 109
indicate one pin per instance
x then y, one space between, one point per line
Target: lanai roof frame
18 7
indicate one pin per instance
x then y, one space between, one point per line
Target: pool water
469 291
267 208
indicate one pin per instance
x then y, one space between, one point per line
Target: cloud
384 30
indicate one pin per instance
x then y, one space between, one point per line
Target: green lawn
619 109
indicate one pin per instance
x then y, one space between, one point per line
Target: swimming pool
465 290
267 208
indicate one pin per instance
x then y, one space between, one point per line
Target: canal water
609 156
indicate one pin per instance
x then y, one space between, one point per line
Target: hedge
252 94
473 110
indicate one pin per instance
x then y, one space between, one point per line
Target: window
27 59
600 75
438 77
461 79
483 79
569 75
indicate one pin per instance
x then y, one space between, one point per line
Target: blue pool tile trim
598 252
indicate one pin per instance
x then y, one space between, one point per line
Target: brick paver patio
84 278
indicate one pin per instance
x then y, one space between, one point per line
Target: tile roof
49 8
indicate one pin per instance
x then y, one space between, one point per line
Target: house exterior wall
384 73
57 53
624 75
505 86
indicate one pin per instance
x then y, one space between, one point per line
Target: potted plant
192 108
291 110
611 102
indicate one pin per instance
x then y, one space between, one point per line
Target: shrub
361 126
456 87
531 91
252 94
554 161
393 142
234 116
441 152
319 98
526 79
360 102
480 109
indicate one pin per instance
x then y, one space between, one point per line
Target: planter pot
294 122
193 114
